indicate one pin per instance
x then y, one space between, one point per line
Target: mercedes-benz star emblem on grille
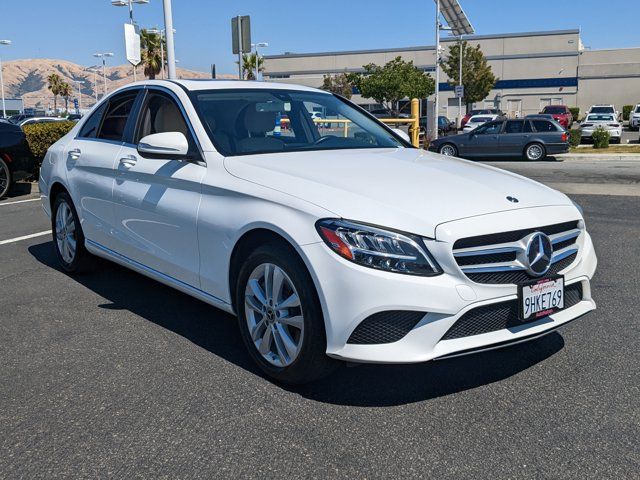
512 199
539 251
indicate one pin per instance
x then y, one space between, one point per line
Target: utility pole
460 53
435 133
240 65
168 28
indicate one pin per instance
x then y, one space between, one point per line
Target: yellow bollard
414 129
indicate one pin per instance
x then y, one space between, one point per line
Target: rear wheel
280 316
68 238
5 178
535 151
448 149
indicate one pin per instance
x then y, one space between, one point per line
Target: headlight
376 248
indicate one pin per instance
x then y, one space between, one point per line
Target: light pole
79 82
168 28
129 3
104 56
95 69
437 97
4 107
256 45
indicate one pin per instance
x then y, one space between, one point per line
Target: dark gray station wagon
532 139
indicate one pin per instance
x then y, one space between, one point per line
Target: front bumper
350 293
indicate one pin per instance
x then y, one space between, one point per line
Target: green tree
54 81
151 53
391 83
249 65
477 77
65 92
339 84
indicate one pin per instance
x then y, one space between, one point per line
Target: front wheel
535 151
280 317
449 150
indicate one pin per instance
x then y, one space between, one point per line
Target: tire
68 239
5 178
308 361
535 152
448 149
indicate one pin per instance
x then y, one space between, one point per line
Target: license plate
540 298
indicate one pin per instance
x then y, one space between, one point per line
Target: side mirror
165 145
402 134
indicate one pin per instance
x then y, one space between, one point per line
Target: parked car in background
605 109
20 117
634 118
477 120
384 113
74 117
32 120
531 139
542 116
479 111
16 160
560 113
184 181
445 126
601 120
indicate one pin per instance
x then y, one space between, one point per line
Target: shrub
41 136
626 111
575 112
575 135
600 138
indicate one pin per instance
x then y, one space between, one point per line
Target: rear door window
544 126
514 126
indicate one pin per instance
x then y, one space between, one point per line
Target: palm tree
249 65
54 85
151 53
65 92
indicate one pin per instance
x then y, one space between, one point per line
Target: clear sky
75 29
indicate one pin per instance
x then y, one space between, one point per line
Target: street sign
459 89
241 34
132 44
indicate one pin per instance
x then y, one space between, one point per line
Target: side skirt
104 252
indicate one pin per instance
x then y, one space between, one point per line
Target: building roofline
573 31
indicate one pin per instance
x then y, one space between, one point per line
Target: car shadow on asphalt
362 385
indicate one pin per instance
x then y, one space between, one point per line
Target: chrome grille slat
470 255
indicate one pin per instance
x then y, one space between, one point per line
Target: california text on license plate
540 298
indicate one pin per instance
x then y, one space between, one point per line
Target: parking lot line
20 201
24 237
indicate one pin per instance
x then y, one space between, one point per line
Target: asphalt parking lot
114 375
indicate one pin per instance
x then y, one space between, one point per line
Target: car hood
406 189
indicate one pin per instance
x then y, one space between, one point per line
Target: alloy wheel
66 232
4 178
534 152
448 150
274 315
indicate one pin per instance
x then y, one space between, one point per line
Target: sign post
132 46
241 38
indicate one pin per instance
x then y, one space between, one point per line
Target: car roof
213 84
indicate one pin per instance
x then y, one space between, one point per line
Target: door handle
128 161
75 154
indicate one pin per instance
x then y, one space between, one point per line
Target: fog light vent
385 327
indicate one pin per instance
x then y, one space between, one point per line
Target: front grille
385 327
499 258
498 316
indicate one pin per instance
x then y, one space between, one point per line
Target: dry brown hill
28 79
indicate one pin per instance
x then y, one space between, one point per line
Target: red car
560 113
481 111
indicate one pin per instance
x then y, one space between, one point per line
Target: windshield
599 118
554 110
601 110
253 121
638 109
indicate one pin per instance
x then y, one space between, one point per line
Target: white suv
330 244
605 109
634 118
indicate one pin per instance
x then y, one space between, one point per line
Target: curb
606 157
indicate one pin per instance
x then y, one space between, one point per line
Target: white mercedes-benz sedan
330 239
